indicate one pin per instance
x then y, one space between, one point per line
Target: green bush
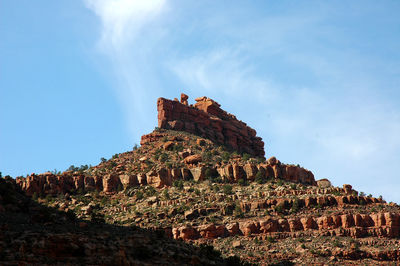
226 156
166 194
245 157
227 189
206 156
139 195
238 211
178 184
295 206
270 239
164 157
260 178
242 182
280 208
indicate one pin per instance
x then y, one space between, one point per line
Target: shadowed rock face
208 120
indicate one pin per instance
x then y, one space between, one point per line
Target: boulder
324 183
193 159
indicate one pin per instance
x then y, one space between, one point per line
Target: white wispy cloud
129 31
122 20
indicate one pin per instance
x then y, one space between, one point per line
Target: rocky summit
198 191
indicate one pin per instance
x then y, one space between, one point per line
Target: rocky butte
206 119
200 176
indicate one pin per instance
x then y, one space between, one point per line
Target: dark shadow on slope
35 234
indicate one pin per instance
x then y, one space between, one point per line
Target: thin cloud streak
129 31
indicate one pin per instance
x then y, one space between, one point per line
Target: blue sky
318 80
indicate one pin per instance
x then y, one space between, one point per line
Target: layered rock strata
208 120
353 225
49 183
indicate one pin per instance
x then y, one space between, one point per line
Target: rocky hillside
201 178
33 234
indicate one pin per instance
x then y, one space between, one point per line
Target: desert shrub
206 156
245 157
150 191
242 182
139 195
238 211
337 243
295 206
49 198
164 157
260 178
280 208
178 148
104 201
362 194
197 192
103 160
135 147
227 189
178 184
73 168
226 156
166 194
270 239
260 160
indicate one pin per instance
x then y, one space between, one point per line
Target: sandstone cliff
208 120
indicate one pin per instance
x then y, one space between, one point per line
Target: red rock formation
208 120
354 225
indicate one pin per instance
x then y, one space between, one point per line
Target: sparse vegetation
227 189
